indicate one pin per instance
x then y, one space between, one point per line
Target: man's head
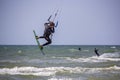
52 24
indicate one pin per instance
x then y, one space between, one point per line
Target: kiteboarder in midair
49 29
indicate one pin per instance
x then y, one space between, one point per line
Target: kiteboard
38 43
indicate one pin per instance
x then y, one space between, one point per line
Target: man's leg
49 41
40 37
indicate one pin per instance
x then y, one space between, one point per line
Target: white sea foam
60 79
111 55
113 47
19 51
86 50
28 71
93 59
90 59
103 58
52 70
73 50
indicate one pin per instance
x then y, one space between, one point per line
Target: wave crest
52 70
111 55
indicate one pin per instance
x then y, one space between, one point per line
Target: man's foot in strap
41 47
37 37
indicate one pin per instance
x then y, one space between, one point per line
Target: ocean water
60 62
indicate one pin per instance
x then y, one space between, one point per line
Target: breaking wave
111 55
48 71
103 58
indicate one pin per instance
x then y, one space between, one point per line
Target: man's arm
53 30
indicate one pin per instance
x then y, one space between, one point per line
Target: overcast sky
81 22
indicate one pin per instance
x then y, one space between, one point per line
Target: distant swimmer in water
96 52
79 49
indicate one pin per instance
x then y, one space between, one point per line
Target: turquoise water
63 62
